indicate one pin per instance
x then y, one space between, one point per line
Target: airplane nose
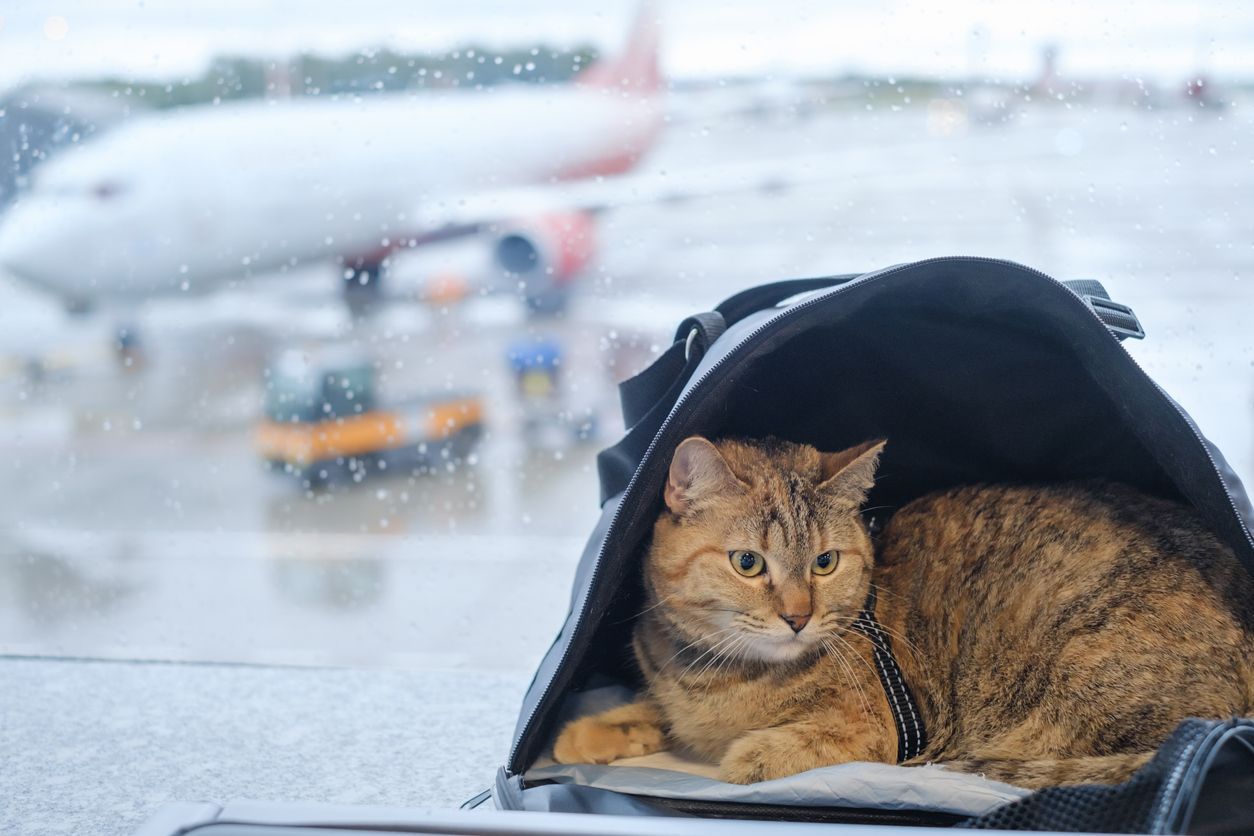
37 244
10 245
796 622
19 242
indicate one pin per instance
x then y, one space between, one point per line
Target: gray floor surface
96 747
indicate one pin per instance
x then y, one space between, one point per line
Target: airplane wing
851 168
467 212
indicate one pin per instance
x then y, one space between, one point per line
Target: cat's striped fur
1051 634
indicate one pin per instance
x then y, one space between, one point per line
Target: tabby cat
1050 634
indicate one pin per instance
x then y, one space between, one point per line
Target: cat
1051 634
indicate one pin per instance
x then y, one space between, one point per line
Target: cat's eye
747 563
825 563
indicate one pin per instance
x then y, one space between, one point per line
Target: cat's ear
698 472
849 474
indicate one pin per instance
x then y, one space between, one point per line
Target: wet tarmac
136 521
146 526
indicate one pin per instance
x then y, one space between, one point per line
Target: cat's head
761 547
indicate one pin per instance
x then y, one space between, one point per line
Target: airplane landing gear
548 301
363 288
127 348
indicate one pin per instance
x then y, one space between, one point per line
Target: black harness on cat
911 734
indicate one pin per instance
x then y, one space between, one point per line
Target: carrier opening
964 393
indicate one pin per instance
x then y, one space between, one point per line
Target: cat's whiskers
693 643
840 658
707 651
721 657
832 617
886 591
916 654
910 647
740 650
862 694
857 655
736 653
660 602
727 654
915 651
857 684
721 609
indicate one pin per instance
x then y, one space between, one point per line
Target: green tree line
230 78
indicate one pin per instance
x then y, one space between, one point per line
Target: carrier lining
681 776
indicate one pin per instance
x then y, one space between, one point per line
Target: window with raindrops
312 315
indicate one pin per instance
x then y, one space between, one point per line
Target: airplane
190 200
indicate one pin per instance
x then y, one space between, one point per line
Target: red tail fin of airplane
635 68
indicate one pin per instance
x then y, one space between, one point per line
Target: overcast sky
1159 39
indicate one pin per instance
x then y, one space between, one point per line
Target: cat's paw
762 755
593 740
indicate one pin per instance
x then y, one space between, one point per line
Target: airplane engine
546 254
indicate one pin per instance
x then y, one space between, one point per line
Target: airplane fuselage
183 201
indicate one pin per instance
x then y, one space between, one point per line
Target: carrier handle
748 302
693 338
638 395
648 397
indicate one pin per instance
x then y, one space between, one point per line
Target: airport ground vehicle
549 418
325 422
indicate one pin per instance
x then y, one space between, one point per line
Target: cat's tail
1249 675
1035 774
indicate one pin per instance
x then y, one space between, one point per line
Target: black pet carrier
975 370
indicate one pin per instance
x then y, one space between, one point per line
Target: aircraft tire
551 301
363 291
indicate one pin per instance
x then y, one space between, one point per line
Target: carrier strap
1119 319
911 734
748 302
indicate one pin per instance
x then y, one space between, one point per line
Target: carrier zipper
812 814
1171 785
1168 812
1197 434
747 340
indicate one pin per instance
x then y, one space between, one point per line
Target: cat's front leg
765 754
624 732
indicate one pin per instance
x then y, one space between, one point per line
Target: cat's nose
796 622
